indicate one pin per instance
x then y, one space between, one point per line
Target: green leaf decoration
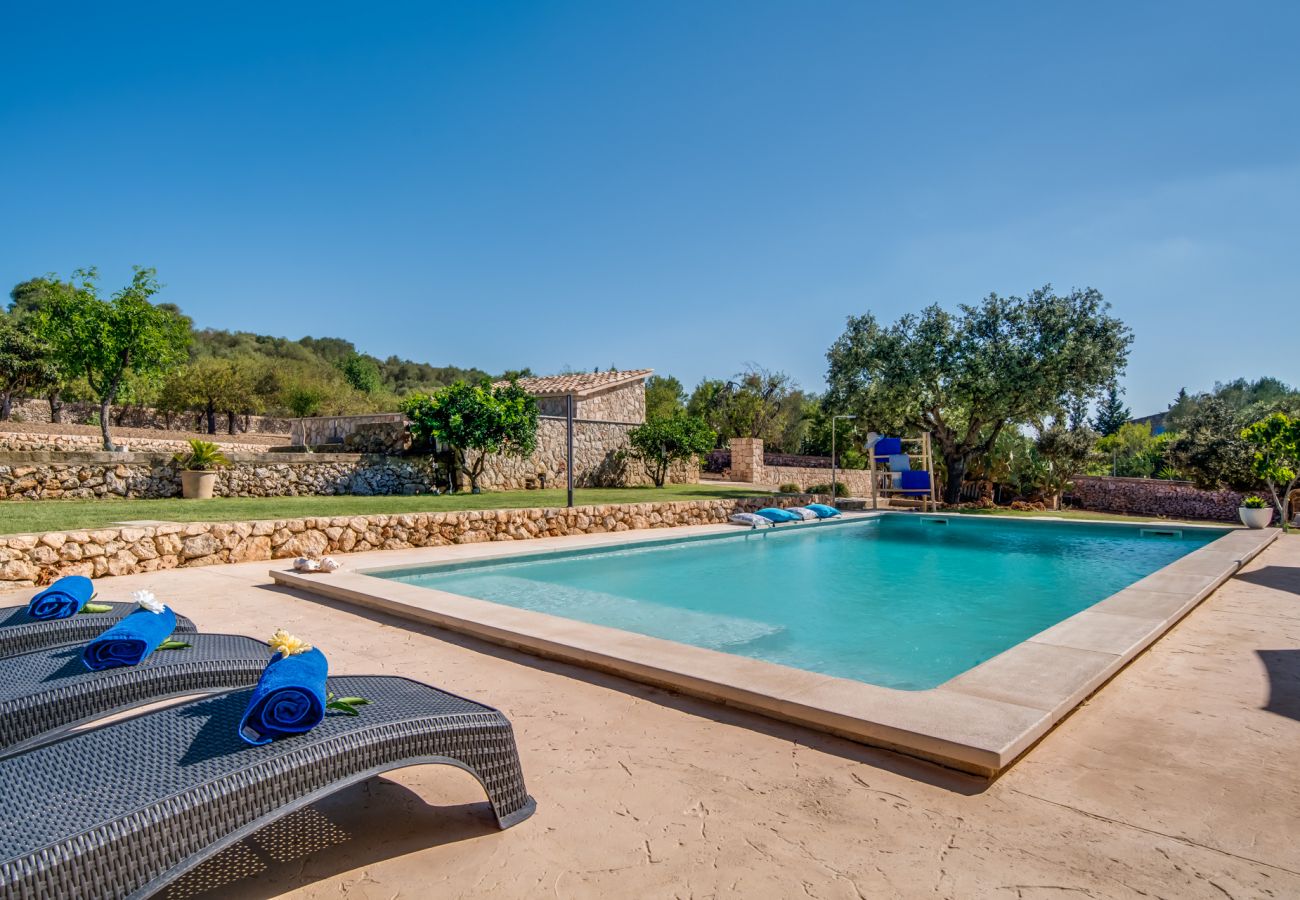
97 608
171 644
346 705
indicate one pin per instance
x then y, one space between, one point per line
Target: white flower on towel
303 564
330 564
146 600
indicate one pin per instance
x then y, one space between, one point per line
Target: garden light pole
834 496
568 457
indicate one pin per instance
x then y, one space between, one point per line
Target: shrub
789 488
1255 503
476 421
841 490
664 440
202 456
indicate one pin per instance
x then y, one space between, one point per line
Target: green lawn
20 517
1084 514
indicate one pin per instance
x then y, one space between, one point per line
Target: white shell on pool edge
303 564
330 564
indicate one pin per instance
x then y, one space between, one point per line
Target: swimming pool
900 601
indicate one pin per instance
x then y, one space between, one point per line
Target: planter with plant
1255 512
198 468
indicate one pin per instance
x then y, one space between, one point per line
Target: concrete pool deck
1179 780
980 722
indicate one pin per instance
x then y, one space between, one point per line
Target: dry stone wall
1155 497
29 560
78 413
67 476
598 454
28 442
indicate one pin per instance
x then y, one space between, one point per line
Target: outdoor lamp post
834 497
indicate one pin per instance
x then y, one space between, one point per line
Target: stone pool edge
980 722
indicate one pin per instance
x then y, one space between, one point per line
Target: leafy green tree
26 300
1131 452
362 372
24 362
1208 447
1112 414
965 377
1275 441
106 340
1064 452
664 395
756 403
213 387
664 440
475 421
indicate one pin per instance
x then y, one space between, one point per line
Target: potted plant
198 468
1255 512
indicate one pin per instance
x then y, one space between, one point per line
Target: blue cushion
773 514
823 511
917 480
887 447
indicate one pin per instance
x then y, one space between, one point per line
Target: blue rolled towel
62 599
823 511
129 641
289 698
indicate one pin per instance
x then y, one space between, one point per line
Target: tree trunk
956 465
56 407
105 410
6 405
230 422
212 419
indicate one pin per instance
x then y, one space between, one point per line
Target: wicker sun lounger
49 691
20 633
124 809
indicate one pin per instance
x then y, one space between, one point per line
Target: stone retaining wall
28 560
25 442
598 454
79 413
1155 497
66 476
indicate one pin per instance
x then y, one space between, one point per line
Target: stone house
597 396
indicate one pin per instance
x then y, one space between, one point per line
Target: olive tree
965 376
664 440
104 341
476 421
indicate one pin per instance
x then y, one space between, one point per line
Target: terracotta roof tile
579 383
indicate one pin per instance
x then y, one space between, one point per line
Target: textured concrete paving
1177 780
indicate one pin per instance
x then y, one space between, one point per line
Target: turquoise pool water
901 601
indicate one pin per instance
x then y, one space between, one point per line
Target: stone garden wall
66 476
28 442
749 464
27 560
598 454
1155 497
78 413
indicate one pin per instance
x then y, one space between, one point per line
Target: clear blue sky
685 186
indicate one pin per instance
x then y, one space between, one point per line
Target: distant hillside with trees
60 340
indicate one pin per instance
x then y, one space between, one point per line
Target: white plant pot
197 485
1255 518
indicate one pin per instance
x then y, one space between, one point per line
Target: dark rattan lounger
46 692
20 633
124 809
